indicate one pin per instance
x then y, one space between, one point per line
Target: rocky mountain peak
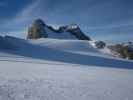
73 26
39 22
40 30
37 30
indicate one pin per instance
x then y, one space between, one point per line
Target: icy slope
75 46
51 53
51 69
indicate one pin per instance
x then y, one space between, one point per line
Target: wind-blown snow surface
51 69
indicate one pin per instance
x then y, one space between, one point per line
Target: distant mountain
37 30
124 50
41 30
75 30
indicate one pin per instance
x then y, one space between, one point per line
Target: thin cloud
59 13
21 19
27 13
24 18
112 26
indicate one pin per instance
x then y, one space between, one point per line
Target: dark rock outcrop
37 30
74 30
123 50
100 44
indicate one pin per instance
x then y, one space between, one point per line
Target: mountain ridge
39 29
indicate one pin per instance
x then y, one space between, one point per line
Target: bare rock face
74 30
123 50
37 30
100 44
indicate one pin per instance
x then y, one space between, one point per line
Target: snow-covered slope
55 35
52 69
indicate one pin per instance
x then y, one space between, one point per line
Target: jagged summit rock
100 44
75 30
37 30
40 30
68 27
39 22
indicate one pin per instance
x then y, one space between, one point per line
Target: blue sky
96 17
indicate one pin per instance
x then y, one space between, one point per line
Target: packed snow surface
52 69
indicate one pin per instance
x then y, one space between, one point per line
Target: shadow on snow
44 53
